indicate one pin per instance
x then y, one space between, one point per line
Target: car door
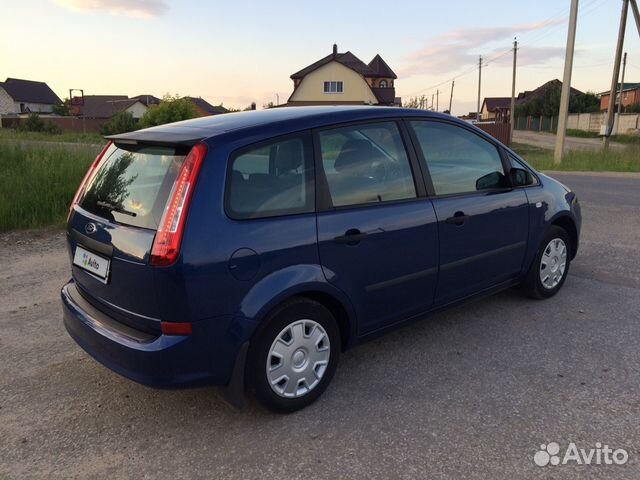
377 231
482 221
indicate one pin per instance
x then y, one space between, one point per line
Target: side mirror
519 177
490 180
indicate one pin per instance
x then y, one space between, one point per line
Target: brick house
497 109
630 95
344 79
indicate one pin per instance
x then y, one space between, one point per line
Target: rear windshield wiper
115 208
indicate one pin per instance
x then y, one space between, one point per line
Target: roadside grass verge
38 183
69 137
619 160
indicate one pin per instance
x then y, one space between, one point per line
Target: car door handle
458 218
353 236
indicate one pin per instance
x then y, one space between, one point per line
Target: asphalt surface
548 141
469 393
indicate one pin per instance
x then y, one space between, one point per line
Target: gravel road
469 393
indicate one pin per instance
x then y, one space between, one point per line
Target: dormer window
333 87
383 84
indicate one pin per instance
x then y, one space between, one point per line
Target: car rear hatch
114 220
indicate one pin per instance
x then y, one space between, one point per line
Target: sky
242 51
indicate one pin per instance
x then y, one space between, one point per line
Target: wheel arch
568 225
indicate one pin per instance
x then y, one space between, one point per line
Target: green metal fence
537 124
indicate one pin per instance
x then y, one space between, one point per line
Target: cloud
129 8
458 48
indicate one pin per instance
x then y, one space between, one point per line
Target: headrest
289 156
356 154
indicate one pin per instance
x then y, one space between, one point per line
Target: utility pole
636 14
512 110
453 82
432 101
566 83
437 100
479 84
624 67
616 75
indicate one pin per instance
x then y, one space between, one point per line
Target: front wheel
550 267
295 356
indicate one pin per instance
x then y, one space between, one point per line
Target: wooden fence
500 131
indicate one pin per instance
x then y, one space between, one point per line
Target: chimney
335 50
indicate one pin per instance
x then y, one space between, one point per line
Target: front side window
272 179
366 164
333 87
459 161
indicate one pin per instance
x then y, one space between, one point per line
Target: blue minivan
248 250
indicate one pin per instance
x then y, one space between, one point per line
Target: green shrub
33 123
171 109
120 123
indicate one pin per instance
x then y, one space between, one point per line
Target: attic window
383 84
333 87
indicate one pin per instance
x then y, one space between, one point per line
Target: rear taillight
166 245
87 177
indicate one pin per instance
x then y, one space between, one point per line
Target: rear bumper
164 361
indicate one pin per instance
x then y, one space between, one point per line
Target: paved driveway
470 393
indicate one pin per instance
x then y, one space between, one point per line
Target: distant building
148 100
541 91
496 109
106 106
26 96
630 95
205 108
344 79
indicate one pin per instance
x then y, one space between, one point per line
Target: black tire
532 284
287 314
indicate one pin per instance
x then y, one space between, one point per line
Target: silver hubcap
553 263
298 358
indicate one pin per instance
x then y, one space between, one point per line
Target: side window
459 161
272 179
366 164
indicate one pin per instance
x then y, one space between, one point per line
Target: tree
33 123
416 102
121 122
64 109
548 104
171 109
268 105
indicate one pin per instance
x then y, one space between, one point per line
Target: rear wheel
550 267
295 356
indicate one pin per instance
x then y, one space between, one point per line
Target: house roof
380 68
494 103
30 91
627 86
524 97
148 99
347 59
202 104
104 106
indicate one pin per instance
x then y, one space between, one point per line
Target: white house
26 96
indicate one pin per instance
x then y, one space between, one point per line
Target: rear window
131 186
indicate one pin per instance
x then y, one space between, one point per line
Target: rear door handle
458 218
353 236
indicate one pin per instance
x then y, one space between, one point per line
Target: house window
22 108
333 87
383 84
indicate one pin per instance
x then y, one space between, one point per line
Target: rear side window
459 161
271 179
131 186
366 164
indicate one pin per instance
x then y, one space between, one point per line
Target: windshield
131 186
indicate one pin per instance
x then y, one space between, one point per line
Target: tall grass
67 137
37 183
615 160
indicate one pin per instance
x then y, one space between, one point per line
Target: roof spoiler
187 138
